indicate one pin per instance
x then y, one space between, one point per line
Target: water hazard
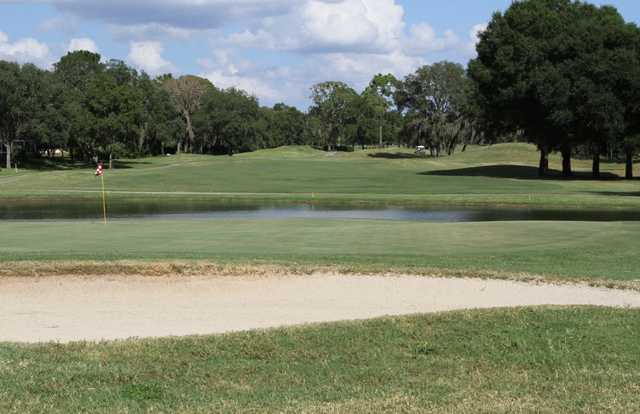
189 211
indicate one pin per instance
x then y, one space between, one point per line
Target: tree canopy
559 70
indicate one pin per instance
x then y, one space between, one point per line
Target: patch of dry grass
205 268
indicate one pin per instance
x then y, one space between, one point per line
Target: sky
273 49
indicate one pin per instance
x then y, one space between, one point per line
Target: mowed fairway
497 175
544 360
565 249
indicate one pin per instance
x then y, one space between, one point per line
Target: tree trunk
179 149
566 161
596 165
110 160
543 166
8 147
628 174
141 138
190 134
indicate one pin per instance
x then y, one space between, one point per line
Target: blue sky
274 49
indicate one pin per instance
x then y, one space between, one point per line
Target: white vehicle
421 149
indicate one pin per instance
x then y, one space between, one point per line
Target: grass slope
498 175
503 361
598 250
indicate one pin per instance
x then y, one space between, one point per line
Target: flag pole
104 200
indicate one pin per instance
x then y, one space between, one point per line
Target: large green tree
379 96
187 93
228 120
333 104
552 69
433 100
283 125
76 73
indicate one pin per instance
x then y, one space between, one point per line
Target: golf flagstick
100 173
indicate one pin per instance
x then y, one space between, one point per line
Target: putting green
566 249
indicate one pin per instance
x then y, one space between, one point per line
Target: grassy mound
504 174
525 360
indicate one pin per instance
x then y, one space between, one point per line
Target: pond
197 211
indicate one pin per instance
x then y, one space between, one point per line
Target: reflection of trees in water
195 210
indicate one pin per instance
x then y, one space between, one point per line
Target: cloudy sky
275 49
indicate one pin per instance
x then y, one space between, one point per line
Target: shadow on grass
522 172
397 155
617 193
48 164
125 164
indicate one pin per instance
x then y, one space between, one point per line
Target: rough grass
498 175
543 360
218 269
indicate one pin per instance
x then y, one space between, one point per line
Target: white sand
93 308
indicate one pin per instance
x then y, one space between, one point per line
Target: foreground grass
570 250
498 175
502 361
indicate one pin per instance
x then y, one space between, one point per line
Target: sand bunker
68 309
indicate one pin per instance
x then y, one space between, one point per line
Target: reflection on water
190 210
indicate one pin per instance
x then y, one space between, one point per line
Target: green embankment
565 249
497 175
549 360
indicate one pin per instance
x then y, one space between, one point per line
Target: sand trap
72 308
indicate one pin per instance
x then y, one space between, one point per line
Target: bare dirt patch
74 308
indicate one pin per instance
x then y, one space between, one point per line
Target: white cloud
423 39
329 26
26 50
83 43
361 68
148 57
253 85
474 37
226 72
367 25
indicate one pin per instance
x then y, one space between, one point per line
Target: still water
146 210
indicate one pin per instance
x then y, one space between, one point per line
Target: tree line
561 74
92 109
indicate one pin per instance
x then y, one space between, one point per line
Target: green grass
534 360
596 250
543 360
497 175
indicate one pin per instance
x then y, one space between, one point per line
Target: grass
568 250
498 175
543 360
520 360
